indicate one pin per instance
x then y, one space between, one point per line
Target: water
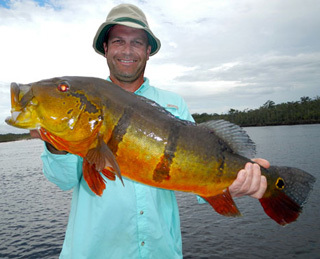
209 235
34 213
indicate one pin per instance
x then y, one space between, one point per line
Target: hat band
128 19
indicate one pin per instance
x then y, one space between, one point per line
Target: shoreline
9 137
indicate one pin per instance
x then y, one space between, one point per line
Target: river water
34 212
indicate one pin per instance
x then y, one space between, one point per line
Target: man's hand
35 134
250 181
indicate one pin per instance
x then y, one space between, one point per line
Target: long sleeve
63 170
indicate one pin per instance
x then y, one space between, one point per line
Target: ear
148 51
105 47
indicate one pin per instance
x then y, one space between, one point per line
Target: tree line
305 111
12 137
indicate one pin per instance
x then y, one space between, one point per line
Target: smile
127 61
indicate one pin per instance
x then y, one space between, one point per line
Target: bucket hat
128 15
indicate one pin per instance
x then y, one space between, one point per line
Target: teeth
127 61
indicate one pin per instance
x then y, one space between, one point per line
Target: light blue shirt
135 221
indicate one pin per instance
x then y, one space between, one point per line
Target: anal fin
109 174
223 204
93 178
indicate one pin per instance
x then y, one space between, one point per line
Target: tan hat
127 15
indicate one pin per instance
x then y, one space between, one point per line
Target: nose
127 49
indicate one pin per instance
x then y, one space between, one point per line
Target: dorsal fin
232 134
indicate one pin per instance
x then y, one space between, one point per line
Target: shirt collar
142 88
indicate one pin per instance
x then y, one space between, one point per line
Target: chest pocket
173 109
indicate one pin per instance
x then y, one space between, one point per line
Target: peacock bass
122 134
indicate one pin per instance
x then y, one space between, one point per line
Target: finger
255 180
263 187
35 134
235 187
242 184
262 162
246 186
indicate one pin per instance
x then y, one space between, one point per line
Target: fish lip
12 121
14 87
21 97
15 92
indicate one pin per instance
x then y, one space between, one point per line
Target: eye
138 42
63 87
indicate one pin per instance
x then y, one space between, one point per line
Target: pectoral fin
224 204
100 159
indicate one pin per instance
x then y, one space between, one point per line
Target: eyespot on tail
288 190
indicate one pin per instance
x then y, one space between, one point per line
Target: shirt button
141 212
142 243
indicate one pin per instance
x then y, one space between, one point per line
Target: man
135 221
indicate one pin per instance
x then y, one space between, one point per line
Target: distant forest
305 111
12 137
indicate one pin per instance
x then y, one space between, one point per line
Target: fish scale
120 134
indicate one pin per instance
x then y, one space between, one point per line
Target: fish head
58 105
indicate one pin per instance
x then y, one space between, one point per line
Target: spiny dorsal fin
232 134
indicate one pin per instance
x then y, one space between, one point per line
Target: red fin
57 142
75 147
224 204
110 175
281 208
288 190
93 178
101 156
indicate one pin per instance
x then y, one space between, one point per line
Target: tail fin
288 189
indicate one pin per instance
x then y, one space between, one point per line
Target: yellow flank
191 172
138 155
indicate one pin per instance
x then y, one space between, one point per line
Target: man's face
127 52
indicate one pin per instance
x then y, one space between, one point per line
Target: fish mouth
22 104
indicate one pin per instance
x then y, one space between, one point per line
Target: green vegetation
305 111
13 137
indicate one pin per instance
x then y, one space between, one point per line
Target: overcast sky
217 54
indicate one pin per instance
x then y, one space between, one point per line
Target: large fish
119 133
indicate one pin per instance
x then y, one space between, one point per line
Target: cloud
218 54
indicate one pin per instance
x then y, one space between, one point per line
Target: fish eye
63 87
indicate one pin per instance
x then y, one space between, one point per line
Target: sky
218 55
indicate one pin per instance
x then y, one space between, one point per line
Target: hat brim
105 27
